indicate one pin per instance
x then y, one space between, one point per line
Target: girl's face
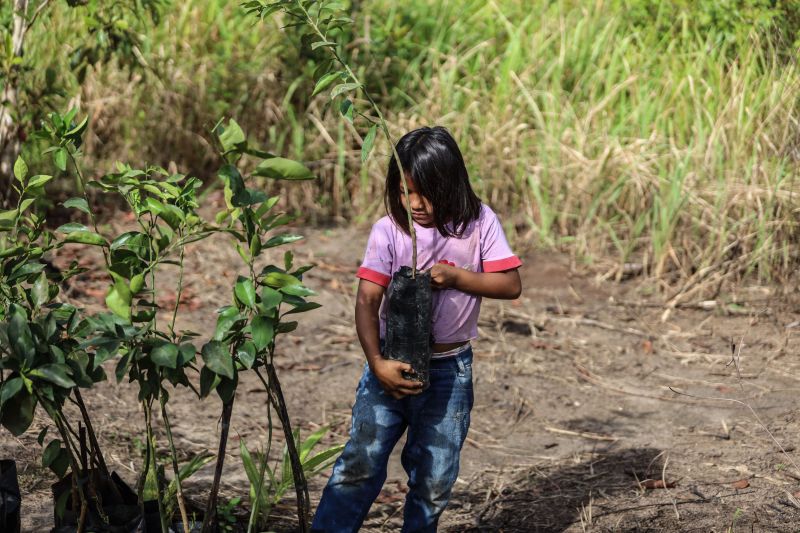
421 209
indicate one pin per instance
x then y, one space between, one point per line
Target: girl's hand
390 375
444 275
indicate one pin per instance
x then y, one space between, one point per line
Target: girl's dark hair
431 158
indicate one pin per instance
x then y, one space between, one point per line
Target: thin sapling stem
151 445
174 456
211 508
301 487
309 21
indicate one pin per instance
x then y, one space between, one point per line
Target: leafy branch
323 24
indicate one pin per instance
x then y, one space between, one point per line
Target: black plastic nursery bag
10 498
408 322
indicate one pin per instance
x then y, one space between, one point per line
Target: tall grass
622 142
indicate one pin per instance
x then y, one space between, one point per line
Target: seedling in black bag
408 335
408 322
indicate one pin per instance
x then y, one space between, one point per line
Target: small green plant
48 350
323 21
268 490
737 514
44 358
226 519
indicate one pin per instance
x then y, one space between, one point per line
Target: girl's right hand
390 375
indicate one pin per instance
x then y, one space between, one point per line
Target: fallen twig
602 325
670 503
583 434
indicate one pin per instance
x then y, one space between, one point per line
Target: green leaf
249 465
226 388
297 290
322 459
119 299
247 354
123 365
9 389
208 381
25 204
263 331
10 252
40 293
286 327
307 445
86 237
279 279
278 240
343 88
79 129
283 169
54 373
77 203
20 169
245 291
347 110
18 413
228 316
9 215
325 81
60 159
19 333
255 245
187 353
218 359
71 227
302 308
137 282
369 140
61 463
51 452
38 180
41 436
165 355
270 298
25 270
232 137
320 44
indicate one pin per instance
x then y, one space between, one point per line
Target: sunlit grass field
638 139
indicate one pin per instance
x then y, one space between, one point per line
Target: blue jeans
437 422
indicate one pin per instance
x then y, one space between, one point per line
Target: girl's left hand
444 275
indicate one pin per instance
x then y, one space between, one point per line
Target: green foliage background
663 133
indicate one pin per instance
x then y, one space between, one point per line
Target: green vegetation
635 130
49 350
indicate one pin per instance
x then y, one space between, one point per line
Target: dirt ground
594 409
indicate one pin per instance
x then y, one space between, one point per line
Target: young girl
462 243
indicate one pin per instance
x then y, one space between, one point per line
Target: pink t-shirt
482 248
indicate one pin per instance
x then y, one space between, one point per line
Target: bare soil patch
574 428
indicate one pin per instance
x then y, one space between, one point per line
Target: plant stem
57 418
211 507
300 485
174 456
151 445
86 197
178 296
97 455
384 128
264 460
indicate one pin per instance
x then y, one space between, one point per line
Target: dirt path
574 422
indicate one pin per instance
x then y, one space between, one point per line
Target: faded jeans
437 422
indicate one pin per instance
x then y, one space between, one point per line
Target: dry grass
621 144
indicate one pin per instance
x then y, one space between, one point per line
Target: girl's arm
388 372
505 285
